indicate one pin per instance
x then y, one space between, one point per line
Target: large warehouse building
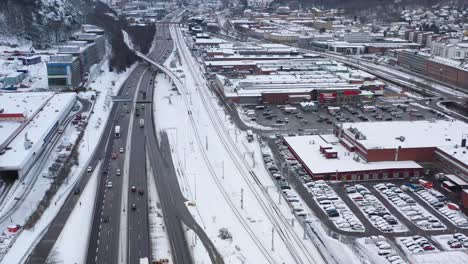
28 122
363 151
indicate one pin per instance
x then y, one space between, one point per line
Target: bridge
162 68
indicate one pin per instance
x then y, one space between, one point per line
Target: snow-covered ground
160 248
96 124
72 243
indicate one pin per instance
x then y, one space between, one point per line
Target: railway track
285 231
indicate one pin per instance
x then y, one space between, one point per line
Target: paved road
104 241
42 249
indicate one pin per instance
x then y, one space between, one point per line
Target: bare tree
53 258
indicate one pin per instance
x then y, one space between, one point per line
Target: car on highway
121 150
141 192
133 189
105 219
117 172
89 169
114 155
109 185
133 206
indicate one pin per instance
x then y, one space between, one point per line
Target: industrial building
68 68
285 81
366 151
325 157
28 121
442 69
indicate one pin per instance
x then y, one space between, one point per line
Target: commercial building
64 71
438 141
325 157
98 40
27 124
371 151
445 70
270 81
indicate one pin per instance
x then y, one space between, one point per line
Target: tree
53 258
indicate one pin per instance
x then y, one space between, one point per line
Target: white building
453 51
23 141
357 37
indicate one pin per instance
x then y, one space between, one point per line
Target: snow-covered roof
442 134
308 150
44 110
25 103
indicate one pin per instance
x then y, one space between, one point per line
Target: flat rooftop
19 103
417 134
45 110
307 148
443 134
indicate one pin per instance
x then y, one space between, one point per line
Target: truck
250 137
144 261
117 131
142 122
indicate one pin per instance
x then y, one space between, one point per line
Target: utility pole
206 142
242 198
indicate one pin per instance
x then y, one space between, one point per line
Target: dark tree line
122 56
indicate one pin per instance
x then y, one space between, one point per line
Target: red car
114 155
428 247
455 245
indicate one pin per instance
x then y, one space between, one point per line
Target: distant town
247 131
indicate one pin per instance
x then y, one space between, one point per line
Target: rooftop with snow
307 149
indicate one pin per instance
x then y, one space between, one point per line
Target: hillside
43 22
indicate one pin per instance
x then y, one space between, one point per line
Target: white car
89 169
109 185
121 150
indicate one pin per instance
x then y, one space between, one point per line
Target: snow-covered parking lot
455 241
416 244
332 205
408 207
374 210
447 210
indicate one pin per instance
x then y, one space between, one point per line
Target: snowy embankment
73 240
107 84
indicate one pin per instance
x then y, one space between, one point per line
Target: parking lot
292 119
395 208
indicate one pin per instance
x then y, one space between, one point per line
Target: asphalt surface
103 244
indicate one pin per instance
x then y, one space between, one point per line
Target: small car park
406 205
416 244
374 210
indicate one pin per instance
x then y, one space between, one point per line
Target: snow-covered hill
41 21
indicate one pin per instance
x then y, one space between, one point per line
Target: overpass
162 68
